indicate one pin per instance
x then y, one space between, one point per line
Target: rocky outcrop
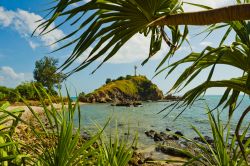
125 90
172 143
171 97
127 103
206 139
162 136
173 151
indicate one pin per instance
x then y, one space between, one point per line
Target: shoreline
38 109
157 151
141 154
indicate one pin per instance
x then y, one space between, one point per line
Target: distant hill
125 89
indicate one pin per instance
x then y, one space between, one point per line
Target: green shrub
108 80
121 78
2 96
6 94
115 150
9 149
66 145
27 91
128 77
82 96
13 96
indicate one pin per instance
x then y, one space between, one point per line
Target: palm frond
104 26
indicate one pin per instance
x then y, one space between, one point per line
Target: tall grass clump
54 138
116 150
224 151
60 140
9 149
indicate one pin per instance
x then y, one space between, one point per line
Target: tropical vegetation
235 55
224 150
158 18
10 150
106 25
8 94
45 73
24 90
56 138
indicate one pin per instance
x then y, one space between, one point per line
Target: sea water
145 118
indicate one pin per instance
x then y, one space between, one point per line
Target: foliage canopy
45 72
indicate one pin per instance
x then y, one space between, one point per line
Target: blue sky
19 51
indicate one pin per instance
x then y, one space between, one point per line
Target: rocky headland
127 89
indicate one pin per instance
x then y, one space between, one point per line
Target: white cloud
9 72
210 3
206 43
136 49
9 77
33 45
6 17
25 23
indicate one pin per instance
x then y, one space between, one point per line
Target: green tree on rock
46 73
108 80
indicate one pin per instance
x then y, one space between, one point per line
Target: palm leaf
104 26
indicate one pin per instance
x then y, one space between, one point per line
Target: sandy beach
38 109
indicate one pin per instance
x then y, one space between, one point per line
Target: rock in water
158 137
150 133
167 129
172 151
179 133
127 104
208 139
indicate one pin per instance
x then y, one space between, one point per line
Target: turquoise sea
141 119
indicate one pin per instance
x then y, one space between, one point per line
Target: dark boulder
137 104
168 137
85 135
158 137
167 129
127 104
171 97
208 139
172 151
150 133
164 135
179 133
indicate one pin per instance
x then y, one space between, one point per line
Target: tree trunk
207 17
